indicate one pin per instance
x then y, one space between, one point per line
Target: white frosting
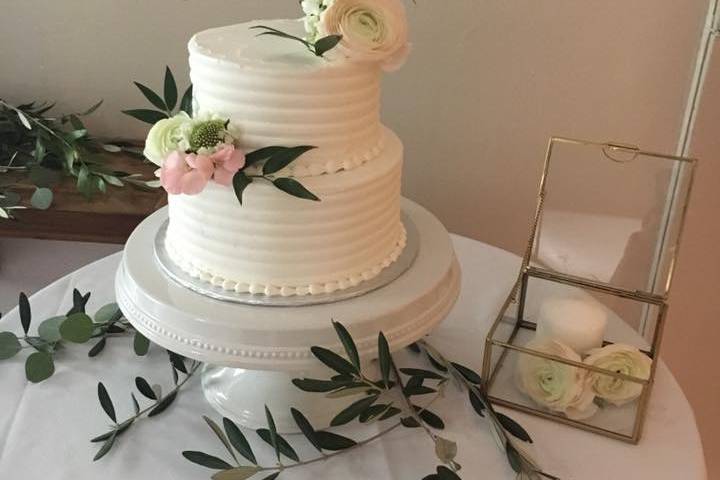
278 93
277 244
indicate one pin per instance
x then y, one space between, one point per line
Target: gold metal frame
614 152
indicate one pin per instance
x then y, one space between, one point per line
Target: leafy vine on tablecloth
393 396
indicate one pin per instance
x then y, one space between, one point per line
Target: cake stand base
253 352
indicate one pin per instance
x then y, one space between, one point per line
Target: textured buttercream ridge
240 286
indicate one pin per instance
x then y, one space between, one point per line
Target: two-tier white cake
275 92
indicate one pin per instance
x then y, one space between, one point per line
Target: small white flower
373 31
554 385
619 358
166 136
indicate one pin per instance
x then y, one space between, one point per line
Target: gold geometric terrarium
578 338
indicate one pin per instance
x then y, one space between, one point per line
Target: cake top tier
241 45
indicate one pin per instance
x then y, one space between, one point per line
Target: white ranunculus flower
554 385
372 30
165 137
623 359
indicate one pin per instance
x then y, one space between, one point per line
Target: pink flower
227 160
188 174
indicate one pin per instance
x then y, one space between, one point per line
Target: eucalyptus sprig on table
318 48
76 326
166 104
159 402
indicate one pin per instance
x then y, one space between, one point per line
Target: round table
45 428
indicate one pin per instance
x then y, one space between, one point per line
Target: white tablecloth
45 428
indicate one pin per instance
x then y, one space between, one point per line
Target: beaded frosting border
238 286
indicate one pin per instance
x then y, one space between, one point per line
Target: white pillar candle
579 324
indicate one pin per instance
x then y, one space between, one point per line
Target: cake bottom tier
275 244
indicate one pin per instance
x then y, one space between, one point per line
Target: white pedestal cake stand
253 352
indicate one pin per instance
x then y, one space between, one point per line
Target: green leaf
348 343
410 422
333 360
136 405
23 119
430 418
446 450
418 372
468 373
205 460
445 473
333 442
514 428
240 183
294 188
350 390
325 44
85 184
77 328
436 364
372 412
141 344
237 473
42 198
273 431
78 133
97 348
476 403
49 330
145 115
115 431
272 476
391 412
353 411
283 445
306 428
283 158
25 315
106 447
187 100
514 458
220 434
110 148
9 345
170 91
9 199
262 154
163 404
238 440
315 386
108 312
152 97
105 402
39 366
177 361
418 390
92 109
384 358
144 388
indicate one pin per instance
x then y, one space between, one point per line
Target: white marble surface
44 428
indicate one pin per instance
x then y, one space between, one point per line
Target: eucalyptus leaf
351 412
106 402
97 348
333 442
39 366
170 92
513 427
384 358
25 314
237 473
152 97
144 388
163 404
348 343
141 344
108 312
205 460
295 188
145 115
9 345
49 330
238 440
283 445
283 158
42 198
325 44
77 328
333 360
240 182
